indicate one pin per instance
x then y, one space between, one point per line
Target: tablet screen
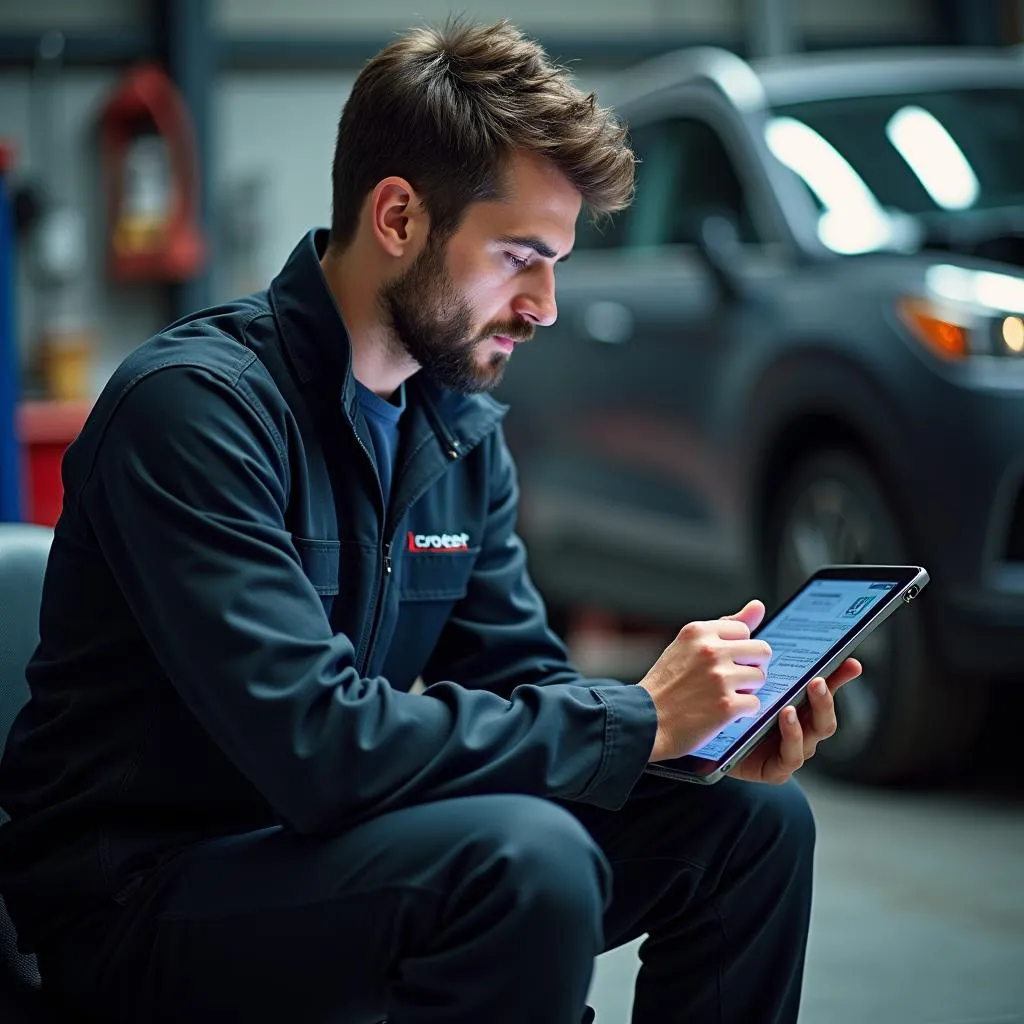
801 635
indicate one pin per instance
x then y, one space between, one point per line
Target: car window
703 181
684 174
920 153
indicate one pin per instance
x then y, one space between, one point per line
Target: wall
275 130
18 15
589 17
279 132
122 316
865 18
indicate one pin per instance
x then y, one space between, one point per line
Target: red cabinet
45 429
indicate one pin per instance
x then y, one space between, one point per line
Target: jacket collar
311 326
317 342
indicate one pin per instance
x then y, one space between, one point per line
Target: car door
624 485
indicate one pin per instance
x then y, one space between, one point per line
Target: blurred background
804 344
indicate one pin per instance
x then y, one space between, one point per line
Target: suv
802 344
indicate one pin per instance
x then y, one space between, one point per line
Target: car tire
903 719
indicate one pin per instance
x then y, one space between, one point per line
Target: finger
821 721
749 652
751 614
746 678
791 743
745 705
849 670
731 629
735 615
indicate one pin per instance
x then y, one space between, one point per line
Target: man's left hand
786 748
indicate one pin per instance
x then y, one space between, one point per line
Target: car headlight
1011 334
954 333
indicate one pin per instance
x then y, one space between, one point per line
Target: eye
516 262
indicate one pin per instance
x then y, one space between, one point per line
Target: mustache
518 330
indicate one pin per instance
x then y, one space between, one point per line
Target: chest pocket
429 585
321 561
436 575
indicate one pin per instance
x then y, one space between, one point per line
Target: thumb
750 615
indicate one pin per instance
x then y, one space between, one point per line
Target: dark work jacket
231 621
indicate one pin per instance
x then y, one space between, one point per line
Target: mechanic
229 798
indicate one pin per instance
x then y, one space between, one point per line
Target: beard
433 323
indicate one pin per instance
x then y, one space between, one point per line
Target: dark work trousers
481 910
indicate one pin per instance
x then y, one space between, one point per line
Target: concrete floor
918 915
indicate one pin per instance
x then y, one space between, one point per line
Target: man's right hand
705 678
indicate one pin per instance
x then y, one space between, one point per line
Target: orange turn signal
944 337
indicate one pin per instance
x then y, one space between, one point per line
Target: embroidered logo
438 543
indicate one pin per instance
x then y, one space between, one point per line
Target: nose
536 302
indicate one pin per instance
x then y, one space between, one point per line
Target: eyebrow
538 245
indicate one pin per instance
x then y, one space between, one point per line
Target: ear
398 218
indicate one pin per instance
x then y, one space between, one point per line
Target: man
226 802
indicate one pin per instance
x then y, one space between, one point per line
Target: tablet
810 636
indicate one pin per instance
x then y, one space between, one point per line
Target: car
802 344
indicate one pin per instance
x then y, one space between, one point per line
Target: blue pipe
192 63
10 452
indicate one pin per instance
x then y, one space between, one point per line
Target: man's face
460 308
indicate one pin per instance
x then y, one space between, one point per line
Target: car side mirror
718 242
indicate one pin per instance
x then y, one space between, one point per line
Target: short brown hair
445 109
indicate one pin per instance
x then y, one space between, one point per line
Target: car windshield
890 171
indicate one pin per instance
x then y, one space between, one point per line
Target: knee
781 818
544 853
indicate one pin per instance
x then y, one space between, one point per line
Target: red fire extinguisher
151 173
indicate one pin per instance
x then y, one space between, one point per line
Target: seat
23 553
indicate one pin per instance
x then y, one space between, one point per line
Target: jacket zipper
378 608
453 449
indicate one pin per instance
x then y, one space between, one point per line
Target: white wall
589 17
586 17
274 132
28 15
278 130
122 316
865 17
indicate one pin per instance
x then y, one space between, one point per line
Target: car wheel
901 719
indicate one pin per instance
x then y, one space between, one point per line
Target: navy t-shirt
382 418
